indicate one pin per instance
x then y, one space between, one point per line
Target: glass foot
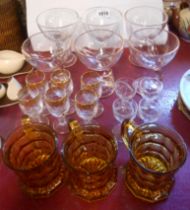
70 61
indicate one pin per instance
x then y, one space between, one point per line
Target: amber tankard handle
127 128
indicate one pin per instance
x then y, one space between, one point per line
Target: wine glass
143 17
92 80
58 25
62 78
100 54
102 18
31 104
57 103
86 104
39 52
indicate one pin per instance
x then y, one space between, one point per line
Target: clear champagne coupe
39 52
58 25
57 103
153 53
100 54
102 18
62 78
92 80
86 105
31 104
143 17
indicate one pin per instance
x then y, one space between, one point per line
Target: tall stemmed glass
58 25
100 54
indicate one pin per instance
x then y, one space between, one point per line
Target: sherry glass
62 78
58 25
86 105
100 54
57 103
39 52
31 104
92 80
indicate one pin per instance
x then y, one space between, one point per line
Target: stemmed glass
102 18
91 80
58 25
39 52
86 104
150 89
124 106
62 78
100 54
57 103
153 52
31 104
144 17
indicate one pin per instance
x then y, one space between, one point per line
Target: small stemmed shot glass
124 106
92 80
86 105
31 104
57 103
150 89
62 78
36 81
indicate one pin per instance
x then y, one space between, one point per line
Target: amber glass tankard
156 153
30 151
89 153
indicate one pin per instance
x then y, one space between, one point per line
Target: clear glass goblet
86 105
57 103
39 52
31 104
100 55
92 80
102 18
62 78
58 25
143 17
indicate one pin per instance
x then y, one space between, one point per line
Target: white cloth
34 7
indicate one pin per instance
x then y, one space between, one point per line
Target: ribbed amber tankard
156 153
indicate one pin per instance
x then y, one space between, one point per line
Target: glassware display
100 54
102 18
92 80
62 78
156 154
59 25
39 52
89 153
57 103
30 151
86 104
143 17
